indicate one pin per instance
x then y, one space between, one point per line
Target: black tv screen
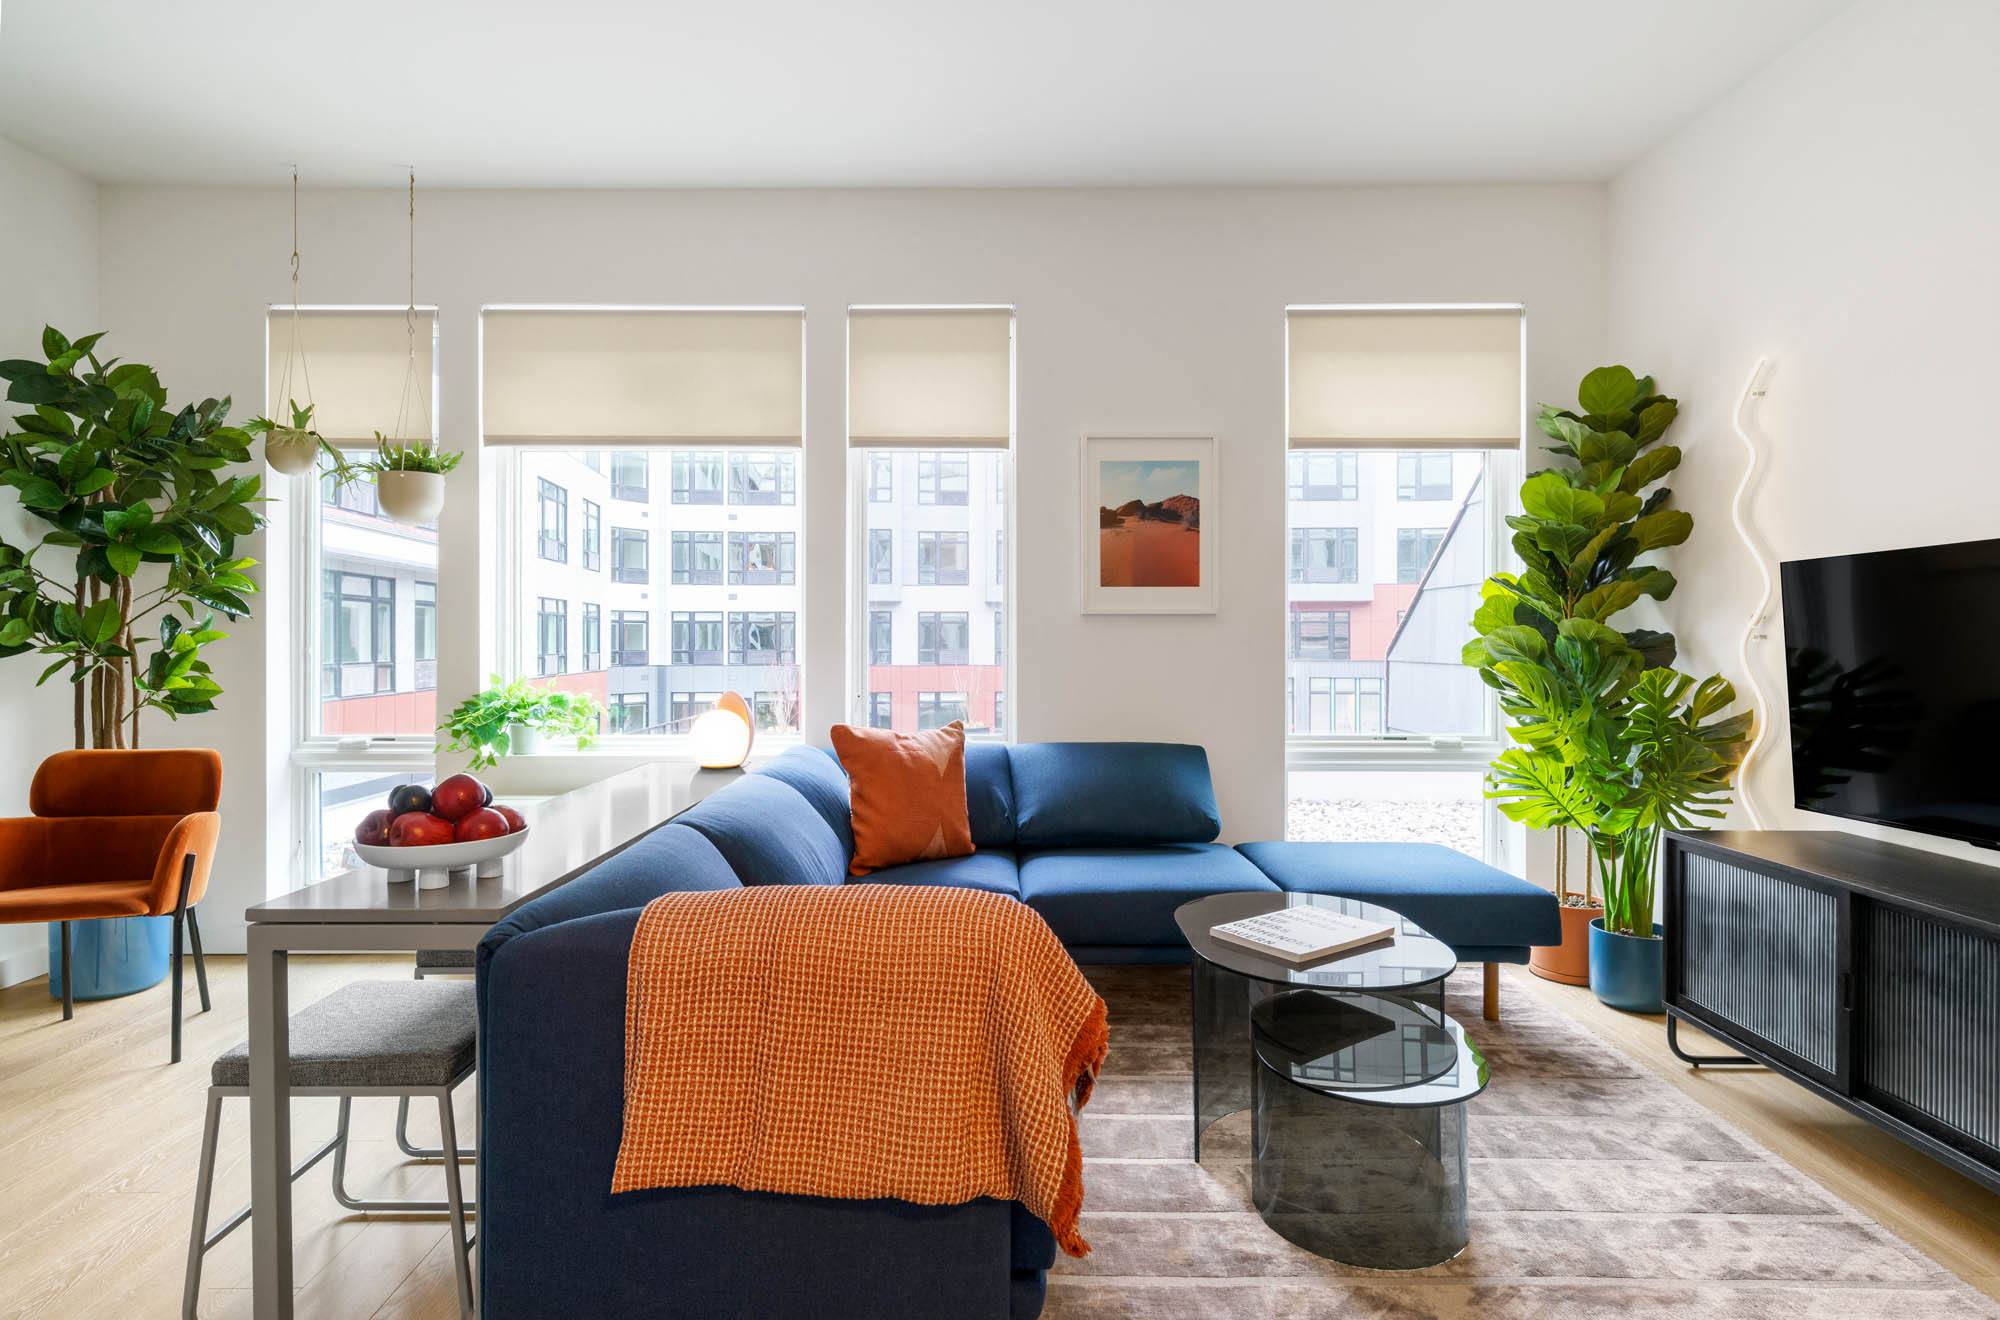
1892 668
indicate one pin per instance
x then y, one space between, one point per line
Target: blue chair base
112 956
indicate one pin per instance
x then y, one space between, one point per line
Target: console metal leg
1703 1060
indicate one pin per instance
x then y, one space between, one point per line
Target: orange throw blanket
923 1043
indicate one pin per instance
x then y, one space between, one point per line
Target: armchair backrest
168 781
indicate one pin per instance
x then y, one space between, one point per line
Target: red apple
515 821
419 829
484 823
374 829
458 797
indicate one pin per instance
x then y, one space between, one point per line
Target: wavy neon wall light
1757 628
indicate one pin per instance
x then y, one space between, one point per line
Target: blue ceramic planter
1627 971
112 957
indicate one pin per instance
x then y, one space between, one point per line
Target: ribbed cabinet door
1929 1031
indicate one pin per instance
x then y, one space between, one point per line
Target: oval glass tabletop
1371 1049
1411 956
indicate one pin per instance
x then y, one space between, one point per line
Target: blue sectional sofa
1104 840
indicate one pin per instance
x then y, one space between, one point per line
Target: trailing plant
123 590
482 723
336 464
410 456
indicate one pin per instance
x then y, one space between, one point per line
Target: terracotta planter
1568 962
411 497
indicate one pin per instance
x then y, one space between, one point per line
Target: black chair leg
179 918
69 985
200 965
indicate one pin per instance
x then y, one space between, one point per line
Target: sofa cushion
820 781
1081 795
989 794
907 792
1469 905
991 869
1128 895
769 834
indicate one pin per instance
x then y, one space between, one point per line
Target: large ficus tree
122 591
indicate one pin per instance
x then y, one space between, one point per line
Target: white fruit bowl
433 867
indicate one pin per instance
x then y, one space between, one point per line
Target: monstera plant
122 592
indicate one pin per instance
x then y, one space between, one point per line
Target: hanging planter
411 497
295 449
291 450
409 474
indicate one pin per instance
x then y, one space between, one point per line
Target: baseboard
23 965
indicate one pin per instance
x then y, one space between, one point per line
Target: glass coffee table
1230 980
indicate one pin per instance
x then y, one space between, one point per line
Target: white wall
1836 212
48 276
1137 310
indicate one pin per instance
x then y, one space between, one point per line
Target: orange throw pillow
906 793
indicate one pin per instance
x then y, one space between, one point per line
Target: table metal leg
270 1127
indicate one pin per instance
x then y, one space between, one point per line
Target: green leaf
123 522
38 389
157 541
54 343
1613 448
14 632
1649 467
41 493
76 463
1655 582
1654 419
101 622
1602 602
95 480
1664 528
1546 495
1515 642
123 558
1608 390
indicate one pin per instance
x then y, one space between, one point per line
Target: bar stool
401 1038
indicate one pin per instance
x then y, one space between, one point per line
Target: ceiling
900 93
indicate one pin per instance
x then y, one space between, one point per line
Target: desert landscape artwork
1149 523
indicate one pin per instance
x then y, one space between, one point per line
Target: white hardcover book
1302 934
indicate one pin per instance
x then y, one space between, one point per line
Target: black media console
1865 971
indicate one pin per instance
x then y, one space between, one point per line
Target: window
1326 554
999 637
1320 634
552 636
768 711
943 478
943 639
687 707
697 639
999 712
942 559
762 559
343 798
762 477
881 556
593 638
697 558
593 535
1414 548
425 613
697 476
881 714
937 709
628 637
553 543
1324 475
629 713
762 637
881 637
999 558
628 555
354 497
359 635
631 476
881 478
1424 476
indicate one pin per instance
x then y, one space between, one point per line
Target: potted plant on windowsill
409 477
513 718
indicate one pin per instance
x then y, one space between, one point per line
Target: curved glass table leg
1222 1004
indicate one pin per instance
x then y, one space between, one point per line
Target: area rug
1597 1190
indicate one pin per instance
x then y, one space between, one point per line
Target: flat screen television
1892 669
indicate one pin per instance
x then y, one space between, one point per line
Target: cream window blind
633 378
356 361
1404 379
930 378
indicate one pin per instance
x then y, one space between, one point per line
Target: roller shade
644 378
1403 379
356 361
930 378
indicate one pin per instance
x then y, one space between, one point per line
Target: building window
762 637
553 543
353 497
359 635
552 636
881 478
881 711
763 477
881 637
629 555
697 558
697 638
881 556
1320 634
999 637
631 476
697 476
999 558
762 559
943 559
943 639
937 709
593 638
628 637
686 707
1414 548
999 712
1326 554
1324 475
1424 476
593 536
769 711
943 478
628 712
425 618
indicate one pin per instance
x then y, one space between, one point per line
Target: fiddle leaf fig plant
123 590
483 724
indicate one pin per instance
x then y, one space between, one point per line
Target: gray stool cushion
376 1033
445 960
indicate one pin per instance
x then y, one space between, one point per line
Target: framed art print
1149 533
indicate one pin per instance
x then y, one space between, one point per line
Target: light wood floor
99 1137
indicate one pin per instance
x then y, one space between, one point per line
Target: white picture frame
1142 566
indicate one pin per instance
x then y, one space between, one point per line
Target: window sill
1331 752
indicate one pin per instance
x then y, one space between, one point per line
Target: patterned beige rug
1597 1190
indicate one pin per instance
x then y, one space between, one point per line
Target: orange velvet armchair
116 834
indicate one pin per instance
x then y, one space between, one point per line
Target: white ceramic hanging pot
291 450
411 497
